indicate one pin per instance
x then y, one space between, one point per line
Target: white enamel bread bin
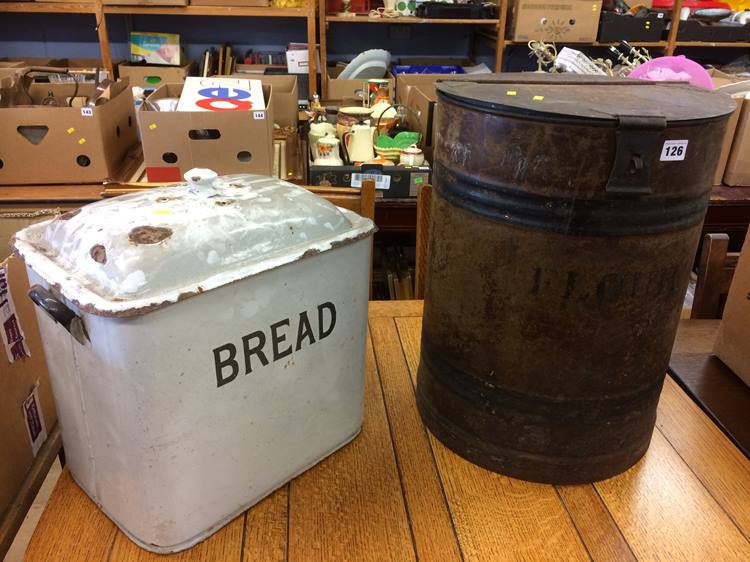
205 343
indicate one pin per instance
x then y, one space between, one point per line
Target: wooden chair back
361 201
424 209
715 271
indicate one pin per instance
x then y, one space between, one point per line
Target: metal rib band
612 216
498 401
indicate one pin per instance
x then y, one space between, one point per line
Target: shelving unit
100 12
492 30
326 19
499 42
47 8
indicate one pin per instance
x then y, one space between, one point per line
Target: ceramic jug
317 132
412 156
328 152
358 143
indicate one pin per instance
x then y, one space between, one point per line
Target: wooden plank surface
396 493
434 535
602 537
496 517
71 527
665 513
351 506
266 528
717 463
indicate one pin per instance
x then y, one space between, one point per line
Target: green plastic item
402 140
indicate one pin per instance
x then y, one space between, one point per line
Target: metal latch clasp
637 147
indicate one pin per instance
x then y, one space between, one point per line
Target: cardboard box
733 340
17 384
404 83
423 117
60 62
153 76
155 48
228 142
85 69
250 3
726 143
66 144
340 89
571 21
298 59
736 87
285 102
11 64
737 171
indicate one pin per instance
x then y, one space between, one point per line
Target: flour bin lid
577 98
134 253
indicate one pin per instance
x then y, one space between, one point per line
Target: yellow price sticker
152 126
71 130
162 212
511 93
538 98
82 141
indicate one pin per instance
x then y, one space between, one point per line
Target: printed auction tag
34 420
674 150
381 181
259 115
10 327
87 111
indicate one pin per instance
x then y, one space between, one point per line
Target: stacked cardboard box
734 331
228 142
45 141
27 411
152 75
734 161
572 21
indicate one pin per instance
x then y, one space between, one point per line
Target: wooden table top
396 493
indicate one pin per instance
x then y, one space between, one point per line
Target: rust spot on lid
98 253
165 198
149 234
69 215
223 202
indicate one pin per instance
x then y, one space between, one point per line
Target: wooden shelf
47 8
601 44
711 44
244 11
403 19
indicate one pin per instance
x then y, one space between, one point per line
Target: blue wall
74 35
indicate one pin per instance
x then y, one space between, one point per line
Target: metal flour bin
565 218
205 344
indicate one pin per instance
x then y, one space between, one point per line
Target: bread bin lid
578 99
132 254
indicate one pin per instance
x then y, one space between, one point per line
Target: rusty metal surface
551 304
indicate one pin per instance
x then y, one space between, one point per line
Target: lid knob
202 177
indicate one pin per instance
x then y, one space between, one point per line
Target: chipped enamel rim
88 301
